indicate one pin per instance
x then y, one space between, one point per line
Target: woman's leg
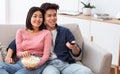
3 71
9 68
37 71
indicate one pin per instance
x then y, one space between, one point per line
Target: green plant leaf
88 5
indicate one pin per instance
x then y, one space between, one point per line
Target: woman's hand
25 54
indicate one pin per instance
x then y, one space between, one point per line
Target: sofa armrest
96 58
2 54
1 58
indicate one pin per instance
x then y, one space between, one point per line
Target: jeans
76 69
2 71
50 69
18 68
6 68
37 71
59 67
23 70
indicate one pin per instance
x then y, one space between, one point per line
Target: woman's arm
19 40
47 46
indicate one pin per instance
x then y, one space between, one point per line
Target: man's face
50 19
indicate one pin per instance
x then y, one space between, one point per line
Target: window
15 11
2 12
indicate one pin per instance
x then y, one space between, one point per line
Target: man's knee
51 70
84 71
76 69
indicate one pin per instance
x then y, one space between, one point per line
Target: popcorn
31 61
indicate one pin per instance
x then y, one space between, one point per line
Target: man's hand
73 47
8 57
9 60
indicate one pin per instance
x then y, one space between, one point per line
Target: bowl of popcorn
31 61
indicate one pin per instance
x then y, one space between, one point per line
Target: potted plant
87 8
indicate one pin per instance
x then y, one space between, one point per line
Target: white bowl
31 61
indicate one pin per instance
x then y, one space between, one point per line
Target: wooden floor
115 71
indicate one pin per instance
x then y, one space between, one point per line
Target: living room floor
115 71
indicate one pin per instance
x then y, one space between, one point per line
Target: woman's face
36 19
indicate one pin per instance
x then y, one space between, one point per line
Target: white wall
111 7
15 11
67 5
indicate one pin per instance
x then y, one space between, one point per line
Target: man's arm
8 57
71 44
10 51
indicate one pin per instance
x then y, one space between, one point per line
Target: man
63 43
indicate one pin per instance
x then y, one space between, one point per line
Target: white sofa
94 57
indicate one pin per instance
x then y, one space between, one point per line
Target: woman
33 40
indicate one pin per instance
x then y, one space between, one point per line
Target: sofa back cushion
7 33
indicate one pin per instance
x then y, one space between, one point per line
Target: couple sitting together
44 38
